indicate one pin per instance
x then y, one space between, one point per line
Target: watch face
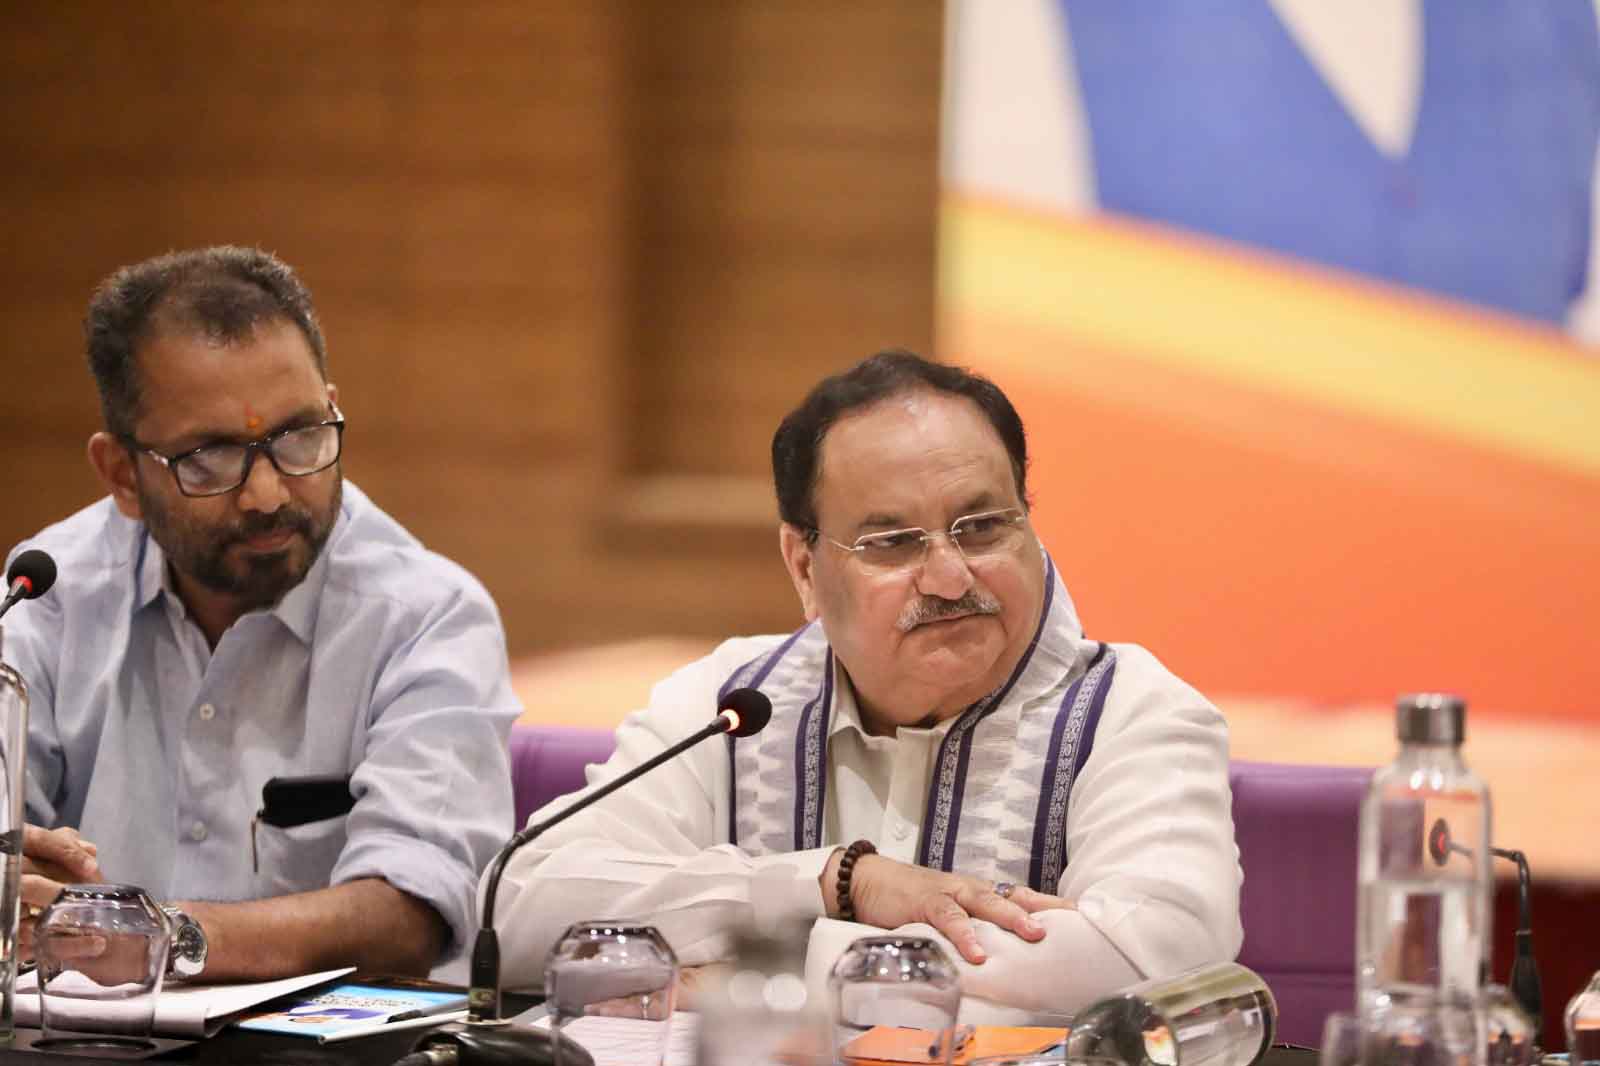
188 955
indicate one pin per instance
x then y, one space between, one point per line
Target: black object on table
250 1047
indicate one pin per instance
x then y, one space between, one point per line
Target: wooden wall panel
786 189
573 260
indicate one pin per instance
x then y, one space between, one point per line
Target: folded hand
890 894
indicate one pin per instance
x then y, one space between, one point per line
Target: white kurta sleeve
656 850
1152 864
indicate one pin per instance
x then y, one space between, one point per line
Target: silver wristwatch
187 957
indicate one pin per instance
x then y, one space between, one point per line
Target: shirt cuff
787 887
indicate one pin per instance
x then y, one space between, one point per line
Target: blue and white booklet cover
349 1006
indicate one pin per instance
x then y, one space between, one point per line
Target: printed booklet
349 1006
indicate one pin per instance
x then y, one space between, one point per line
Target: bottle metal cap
1430 718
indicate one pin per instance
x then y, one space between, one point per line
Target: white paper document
191 1011
629 1041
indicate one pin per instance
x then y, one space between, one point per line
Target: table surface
241 1047
249 1047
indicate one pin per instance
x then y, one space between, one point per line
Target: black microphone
484 1037
1525 985
31 575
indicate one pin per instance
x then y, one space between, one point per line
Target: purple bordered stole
998 795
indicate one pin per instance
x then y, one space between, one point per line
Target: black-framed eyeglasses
975 536
213 469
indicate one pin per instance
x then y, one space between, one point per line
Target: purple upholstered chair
1296 828
547 761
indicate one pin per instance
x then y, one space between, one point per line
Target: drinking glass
1221 1014
758 1009
1343 1037
905 988
1507 1028
13 753
102 951
1424 1034
1582 1022
623 971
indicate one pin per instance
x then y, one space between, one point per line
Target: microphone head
748 709
36 569
1439 842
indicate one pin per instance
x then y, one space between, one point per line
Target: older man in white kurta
1055 808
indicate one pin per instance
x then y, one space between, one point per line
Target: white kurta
1153 870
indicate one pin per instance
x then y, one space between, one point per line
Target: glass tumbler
1425 1034
1343 1040
102 952
888 991
13 755
1582 1022
1221 1014
622 971
1507 1028
758 1009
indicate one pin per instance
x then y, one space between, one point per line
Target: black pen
424 1012
960 1037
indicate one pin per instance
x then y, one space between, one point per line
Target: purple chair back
547 761
1296 828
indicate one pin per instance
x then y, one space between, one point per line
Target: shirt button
207 712
197 831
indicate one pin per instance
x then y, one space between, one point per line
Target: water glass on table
623 971
1508 1030
758 1009
901 988
1582 1023
1405 1034
13 756
102 953
1221 1014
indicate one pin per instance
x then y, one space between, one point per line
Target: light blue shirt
387 663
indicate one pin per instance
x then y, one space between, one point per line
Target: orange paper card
888 1044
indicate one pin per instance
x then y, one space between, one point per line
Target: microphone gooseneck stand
487 1039
1525 986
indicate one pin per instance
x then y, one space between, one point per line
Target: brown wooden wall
574 260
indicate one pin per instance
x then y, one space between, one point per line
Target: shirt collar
846 717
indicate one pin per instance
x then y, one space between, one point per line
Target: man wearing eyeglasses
948 753
234 612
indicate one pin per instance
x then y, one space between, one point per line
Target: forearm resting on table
1081 959
366 923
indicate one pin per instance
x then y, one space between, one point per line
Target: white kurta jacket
1093 773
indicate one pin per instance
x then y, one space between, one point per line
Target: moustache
279 521
936 609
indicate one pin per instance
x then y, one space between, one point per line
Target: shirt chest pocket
298 859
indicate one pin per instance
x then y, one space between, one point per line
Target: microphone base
499 1043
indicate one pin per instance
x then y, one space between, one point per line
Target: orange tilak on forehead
252 421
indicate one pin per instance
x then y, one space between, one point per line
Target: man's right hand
51 859
889 894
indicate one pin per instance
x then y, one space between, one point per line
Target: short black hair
224 293
798 441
